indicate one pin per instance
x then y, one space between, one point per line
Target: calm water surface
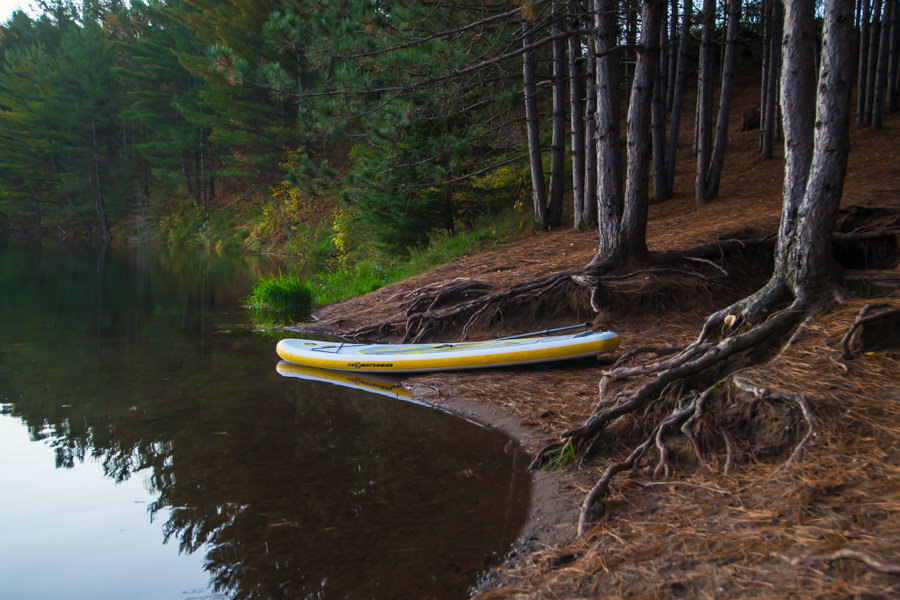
149 449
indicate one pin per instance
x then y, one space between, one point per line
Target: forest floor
738 522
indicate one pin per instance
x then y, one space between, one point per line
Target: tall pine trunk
533 128
557 144
872 66
894 65
766 8
590 142
678 94
609 169
729 67
863 82
658 121
798 89
884 55
769 125
705 101
804 257
673 56
576 116
96 184
633 234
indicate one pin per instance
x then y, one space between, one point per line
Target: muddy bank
553 510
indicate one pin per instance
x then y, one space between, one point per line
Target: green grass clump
282 298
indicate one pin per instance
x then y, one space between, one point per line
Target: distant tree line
419 115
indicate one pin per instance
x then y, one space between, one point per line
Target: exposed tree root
869 283
798 400
701 360
469 302
847 553
885 322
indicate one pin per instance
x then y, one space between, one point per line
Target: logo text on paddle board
362 365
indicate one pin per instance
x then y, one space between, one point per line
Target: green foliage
375 270
281 222
191 117
282 298
562 457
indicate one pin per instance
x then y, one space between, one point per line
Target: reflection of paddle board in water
366 383
404 358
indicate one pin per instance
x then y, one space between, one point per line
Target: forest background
315 128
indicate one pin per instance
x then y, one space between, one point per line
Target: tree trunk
673 57
769 125
884 55
729 67
609 169
872 67
766 65
658 120
631 36
678 95
894 66
94 178
576 117
798 87
633 234
697 105
533 129
805 258
590 154
705 101
557 144
863 83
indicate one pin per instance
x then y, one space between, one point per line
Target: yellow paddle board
409 358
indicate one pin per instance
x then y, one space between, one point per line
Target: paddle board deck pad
411 358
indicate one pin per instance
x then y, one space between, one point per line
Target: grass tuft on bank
282 298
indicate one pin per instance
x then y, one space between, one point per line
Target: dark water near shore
149 449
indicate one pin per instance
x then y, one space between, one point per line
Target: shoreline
554 502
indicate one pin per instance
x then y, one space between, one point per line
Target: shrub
282 298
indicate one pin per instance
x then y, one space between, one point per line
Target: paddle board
411 358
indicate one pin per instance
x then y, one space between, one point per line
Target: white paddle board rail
413 358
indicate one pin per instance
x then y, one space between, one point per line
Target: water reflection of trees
292 490
286 504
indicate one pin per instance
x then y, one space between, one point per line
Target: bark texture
769 125
533 129
862 85
729 70
884 55
807 259
658 120
609 170
576 117
705 101
872 66
678 93
557 144
798 102
633 235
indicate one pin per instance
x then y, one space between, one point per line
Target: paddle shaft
547 331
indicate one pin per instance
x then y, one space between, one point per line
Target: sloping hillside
744 517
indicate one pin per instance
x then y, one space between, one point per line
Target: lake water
150 449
